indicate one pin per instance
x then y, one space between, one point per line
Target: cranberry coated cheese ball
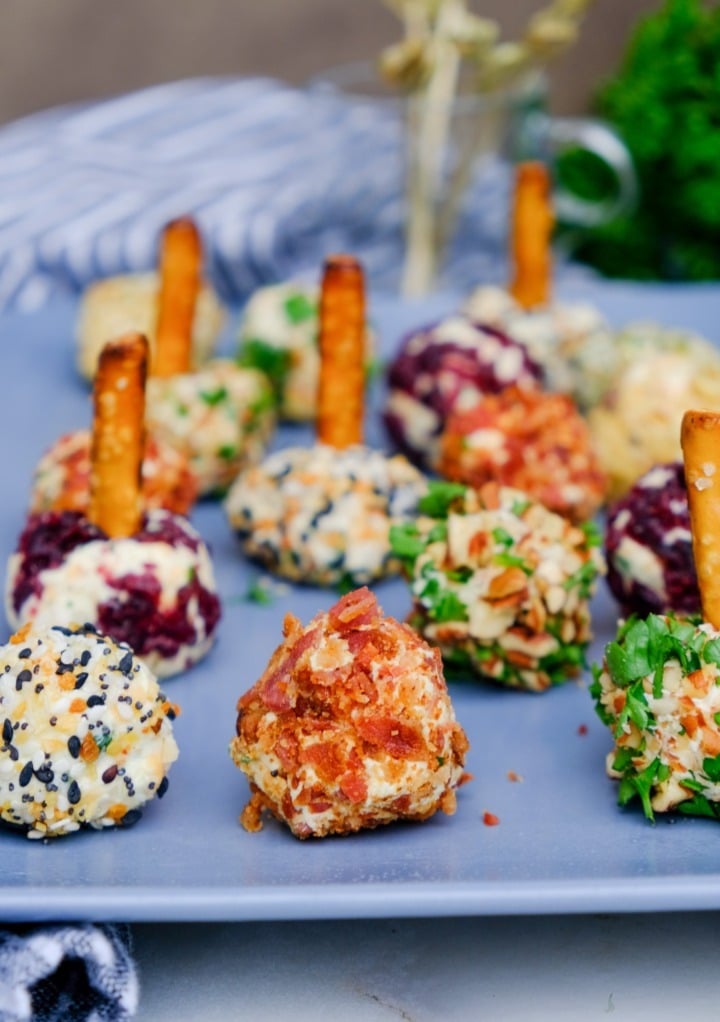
129 303
658 690
220 417
154 590
446 367
532 440
86 733
349 727
648 544
323 515
61 481
500 585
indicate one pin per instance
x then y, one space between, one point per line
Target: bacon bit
21 634
490 819
251 816
354 787
515 778
77 706
360 607
326 758
582 729
89 750
397 739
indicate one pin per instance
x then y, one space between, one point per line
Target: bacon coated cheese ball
535 441
279 336
220 417
349 727
322 515
445 367
154 590
500 584
129 303
61 481
658 690
648 545
570 341
87 736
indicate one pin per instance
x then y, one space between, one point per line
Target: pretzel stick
180 278
532 222
700 440
342 352
118 436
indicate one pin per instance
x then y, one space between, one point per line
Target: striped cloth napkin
276 176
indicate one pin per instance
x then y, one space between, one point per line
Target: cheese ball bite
129 302
571 342
61 480
535 441
445 367
349 727
154 590
220 418
658 690
279 336
648 545
500 585
87 736
323 515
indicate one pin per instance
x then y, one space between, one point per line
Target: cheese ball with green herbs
500 584
221 417
279 336
87 734
658 691
322 515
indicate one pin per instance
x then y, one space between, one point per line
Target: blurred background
59 51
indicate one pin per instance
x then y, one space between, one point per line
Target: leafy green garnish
512 561
502 536
102 741
439 497
258 592
299 308
214 397
699 805
274 362
593 535
442 604
227 452
406 542
641 784
583 579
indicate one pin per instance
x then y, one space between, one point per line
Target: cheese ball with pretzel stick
144 578
130 303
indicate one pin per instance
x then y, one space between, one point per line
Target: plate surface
562 844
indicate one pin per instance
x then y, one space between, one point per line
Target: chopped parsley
274 362
214 397
593 535
439 497
258 592
299 308
406 542
512 561
502 536
583 579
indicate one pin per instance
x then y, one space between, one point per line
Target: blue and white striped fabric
277 177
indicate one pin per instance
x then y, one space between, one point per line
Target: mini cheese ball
154 590
648 545
61 480
129 302
349 727
500 584
322 515
220 418
445 367
658 691
87 736
532 440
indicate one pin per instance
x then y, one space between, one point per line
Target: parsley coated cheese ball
154 590
531 440
279 336
61 481
500 585
648 545
87 736
445 367
128 303
323 515
571 342
349 727
220 417
658 690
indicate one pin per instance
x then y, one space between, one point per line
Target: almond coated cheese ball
349 727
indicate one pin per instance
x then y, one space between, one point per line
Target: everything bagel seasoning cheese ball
500 584
86 733
349 727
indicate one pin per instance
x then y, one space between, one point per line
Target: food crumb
582 729
490 819
514 777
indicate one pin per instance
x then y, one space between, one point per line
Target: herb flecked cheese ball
350 726
658 690
500 584
221 417
86 733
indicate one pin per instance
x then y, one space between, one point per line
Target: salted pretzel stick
700 441
118 436
342 351
531 228
180 279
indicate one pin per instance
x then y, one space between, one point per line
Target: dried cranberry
46 540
